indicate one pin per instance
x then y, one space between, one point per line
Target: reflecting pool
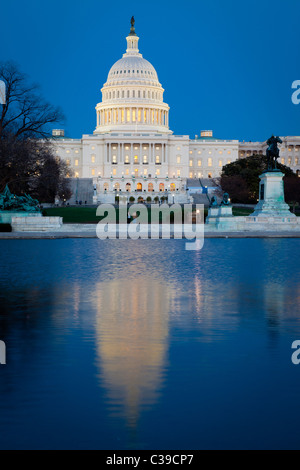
144 345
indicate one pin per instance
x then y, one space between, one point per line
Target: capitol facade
133 152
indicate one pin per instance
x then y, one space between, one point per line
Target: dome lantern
132 41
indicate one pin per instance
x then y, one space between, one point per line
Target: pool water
144 345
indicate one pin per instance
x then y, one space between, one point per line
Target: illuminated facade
133 151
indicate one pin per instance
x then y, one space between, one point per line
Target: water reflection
97 337
132 342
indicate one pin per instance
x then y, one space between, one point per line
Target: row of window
140 187
289 161
146 73
158 161
136 159
284 161
260 152
199 175
69 151
209 162
132 94
210 151
136 173
127 147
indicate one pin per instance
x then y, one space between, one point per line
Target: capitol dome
132 97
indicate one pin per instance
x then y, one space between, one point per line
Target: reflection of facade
132 330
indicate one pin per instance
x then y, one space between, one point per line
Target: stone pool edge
91 235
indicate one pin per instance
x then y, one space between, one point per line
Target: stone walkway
92 234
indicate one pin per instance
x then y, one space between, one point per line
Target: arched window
139 187
117 186
172 187
161 187
150 187
105 186
128 187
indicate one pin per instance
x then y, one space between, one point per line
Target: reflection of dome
132 95
132 342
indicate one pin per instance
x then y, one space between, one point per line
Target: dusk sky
225 65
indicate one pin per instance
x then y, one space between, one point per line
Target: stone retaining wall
36 224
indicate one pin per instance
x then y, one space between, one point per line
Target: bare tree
28 163
26 114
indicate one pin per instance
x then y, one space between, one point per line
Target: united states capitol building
133 151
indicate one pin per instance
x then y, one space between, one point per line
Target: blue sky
225 65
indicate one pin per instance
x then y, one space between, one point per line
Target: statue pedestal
221 217
271 196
